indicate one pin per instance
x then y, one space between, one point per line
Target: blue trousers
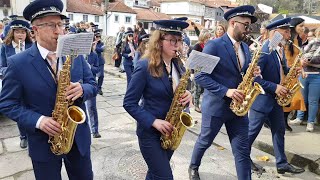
23 132
157 159
101 76
237 129
311 95
275 120
78 167
129 70
93 114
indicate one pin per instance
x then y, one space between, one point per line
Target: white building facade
118 19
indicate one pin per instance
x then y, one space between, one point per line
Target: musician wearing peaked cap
17 40
265 107
29 95
128 52
155 78
220 88
99 48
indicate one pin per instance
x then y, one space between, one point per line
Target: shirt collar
43 51
15 45
232 40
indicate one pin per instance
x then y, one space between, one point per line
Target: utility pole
106 5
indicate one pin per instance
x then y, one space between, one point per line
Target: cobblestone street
116 155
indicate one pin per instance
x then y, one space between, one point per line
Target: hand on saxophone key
164 127
281 90
186 98
50 126
256 71
236 95
74 91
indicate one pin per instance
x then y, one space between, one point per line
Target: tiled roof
120 7
149 15
82 7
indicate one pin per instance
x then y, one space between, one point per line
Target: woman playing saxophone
156 77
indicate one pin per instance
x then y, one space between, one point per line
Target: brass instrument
249 89
67 115
178 119
290 81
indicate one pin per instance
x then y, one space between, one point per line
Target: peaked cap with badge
281 23
41 8
171 26
242 11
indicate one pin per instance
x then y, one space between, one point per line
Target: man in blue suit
273 69
220 89
99 48
29 93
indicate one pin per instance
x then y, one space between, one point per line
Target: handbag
115 56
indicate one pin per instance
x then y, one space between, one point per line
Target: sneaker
96 135
310 127
296 121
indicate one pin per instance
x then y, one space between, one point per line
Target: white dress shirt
240 52
16 47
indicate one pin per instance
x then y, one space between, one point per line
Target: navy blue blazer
29 91
93 60
6 52
226 75
270 71
125 53
99 51
157 95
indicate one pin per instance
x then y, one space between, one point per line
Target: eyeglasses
174 42
246 26
53 26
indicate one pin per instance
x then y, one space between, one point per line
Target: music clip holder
202 62
74 44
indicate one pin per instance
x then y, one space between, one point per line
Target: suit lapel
276 60
166 83
39 64
229 46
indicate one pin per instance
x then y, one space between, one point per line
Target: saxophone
250 90
178 119
290 81
67 115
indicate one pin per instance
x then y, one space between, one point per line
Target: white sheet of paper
74 43
199 60
276 39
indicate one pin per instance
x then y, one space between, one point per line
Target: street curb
293 158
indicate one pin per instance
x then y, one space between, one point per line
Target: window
70 17
128 19
85 18
116 18
96 19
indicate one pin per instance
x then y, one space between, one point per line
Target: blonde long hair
153 54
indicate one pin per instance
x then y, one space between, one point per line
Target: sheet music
79 43
202 61
276 39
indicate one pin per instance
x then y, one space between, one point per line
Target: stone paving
116 155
